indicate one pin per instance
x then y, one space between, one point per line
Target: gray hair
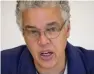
24 4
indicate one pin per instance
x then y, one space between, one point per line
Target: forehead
39 17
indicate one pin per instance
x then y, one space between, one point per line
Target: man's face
47 53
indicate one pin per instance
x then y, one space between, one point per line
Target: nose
43 40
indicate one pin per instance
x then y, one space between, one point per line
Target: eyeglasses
51 32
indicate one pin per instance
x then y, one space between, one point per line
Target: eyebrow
52 24
29 26
48 25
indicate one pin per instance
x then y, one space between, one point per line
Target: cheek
32 46
33 49
28 41
60 43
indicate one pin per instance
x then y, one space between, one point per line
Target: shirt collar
65 71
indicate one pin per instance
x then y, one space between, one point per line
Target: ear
68 30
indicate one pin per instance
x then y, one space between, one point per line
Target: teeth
46 53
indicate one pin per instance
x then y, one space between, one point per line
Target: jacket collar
75 63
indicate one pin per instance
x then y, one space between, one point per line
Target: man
45 26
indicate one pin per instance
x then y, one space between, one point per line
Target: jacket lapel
75 61
26 65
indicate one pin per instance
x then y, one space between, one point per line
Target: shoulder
89 54
82 54
13 52
10 59
88 58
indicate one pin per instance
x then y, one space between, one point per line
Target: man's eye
53 29
33 32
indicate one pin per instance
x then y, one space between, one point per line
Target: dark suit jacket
19 61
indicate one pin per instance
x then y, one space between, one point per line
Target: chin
47 64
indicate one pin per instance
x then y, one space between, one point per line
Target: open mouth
46 55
